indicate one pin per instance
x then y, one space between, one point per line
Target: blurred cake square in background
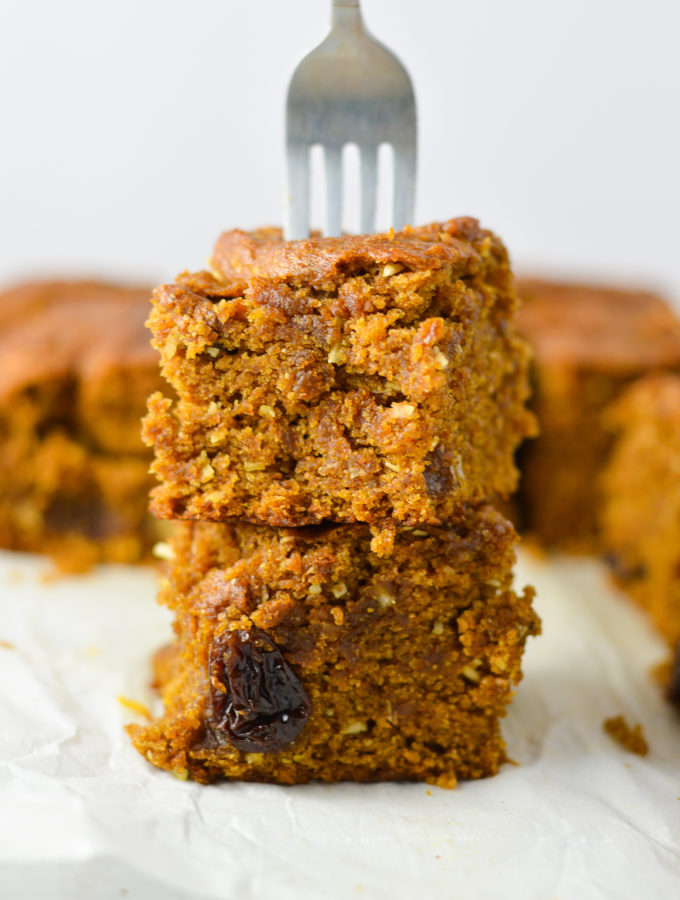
76 368
589 342
640 515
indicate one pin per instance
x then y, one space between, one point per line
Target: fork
349 89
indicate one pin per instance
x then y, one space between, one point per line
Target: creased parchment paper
84 817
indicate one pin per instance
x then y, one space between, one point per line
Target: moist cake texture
302 655
641 509
589 343
373 379
75 371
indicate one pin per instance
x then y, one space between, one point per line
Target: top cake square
372 379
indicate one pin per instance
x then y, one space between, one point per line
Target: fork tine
404 184
369 187
350 90
333 173
298 199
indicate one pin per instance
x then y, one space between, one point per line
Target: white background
133 132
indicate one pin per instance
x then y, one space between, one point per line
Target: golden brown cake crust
324 262
367 379
75 369
589 343
407 662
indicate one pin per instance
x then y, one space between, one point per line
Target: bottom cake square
302 655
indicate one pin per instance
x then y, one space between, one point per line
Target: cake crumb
134 706
631 739
162 550
7 645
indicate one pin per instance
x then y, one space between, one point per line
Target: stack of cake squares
344 413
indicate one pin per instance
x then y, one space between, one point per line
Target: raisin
625 573
258 702
673 689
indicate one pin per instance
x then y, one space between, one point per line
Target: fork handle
345 13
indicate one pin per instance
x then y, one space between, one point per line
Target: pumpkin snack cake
341 412
589 344
641 508
75 370
374 379
301 654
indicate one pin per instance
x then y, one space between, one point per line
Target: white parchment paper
83 816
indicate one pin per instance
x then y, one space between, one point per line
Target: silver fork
349 89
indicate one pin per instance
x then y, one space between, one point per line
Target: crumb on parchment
631 739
